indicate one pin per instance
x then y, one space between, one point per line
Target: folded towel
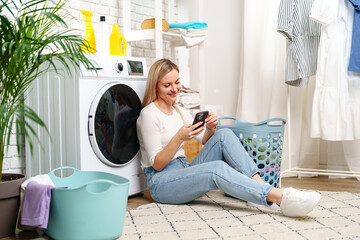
195 32
36 205
190 37
188 25
42 179
189 32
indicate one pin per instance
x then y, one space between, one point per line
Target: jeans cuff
255 171
269 187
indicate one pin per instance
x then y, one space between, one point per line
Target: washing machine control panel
129 67
117 66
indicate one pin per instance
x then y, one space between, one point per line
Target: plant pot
9 202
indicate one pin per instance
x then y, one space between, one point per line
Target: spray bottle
117 42
88 44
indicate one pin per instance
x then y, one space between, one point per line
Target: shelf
175 39
149 34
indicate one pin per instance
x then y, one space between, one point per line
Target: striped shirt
303 36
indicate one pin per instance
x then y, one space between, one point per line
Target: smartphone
200 117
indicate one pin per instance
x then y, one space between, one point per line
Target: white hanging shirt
331 112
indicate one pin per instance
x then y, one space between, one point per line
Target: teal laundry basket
92 206
264 143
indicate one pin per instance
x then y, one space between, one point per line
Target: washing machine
91 117
109 105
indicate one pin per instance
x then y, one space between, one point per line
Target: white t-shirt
155 129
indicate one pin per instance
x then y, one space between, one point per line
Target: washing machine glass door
112 124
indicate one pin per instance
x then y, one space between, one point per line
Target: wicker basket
150 24
264 143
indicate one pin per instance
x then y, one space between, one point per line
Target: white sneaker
295 203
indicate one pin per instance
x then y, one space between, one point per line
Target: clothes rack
308 171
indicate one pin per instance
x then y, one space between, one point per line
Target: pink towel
36 205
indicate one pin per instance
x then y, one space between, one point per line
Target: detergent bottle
117 42
88 44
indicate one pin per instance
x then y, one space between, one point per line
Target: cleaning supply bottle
88 44
117 42
102 37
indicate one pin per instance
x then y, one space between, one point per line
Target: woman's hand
187 132
211 121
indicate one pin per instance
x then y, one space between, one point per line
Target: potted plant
34 36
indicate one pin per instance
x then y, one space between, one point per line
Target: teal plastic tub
92 206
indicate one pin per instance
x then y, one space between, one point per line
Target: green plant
34 36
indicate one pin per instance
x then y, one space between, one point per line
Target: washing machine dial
119 67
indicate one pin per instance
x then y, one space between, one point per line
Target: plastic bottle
117 42
103 37
88 44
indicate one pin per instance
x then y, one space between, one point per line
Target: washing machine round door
112 124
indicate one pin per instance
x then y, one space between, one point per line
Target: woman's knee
226 134
219 168
221 173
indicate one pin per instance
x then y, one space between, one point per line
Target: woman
223 163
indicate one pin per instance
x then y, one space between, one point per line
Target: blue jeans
222 163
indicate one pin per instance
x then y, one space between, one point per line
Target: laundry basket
92 206
264 143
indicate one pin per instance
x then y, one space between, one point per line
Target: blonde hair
157 71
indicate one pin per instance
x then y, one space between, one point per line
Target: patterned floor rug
216 216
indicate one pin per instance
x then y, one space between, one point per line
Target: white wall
13 162
221 60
